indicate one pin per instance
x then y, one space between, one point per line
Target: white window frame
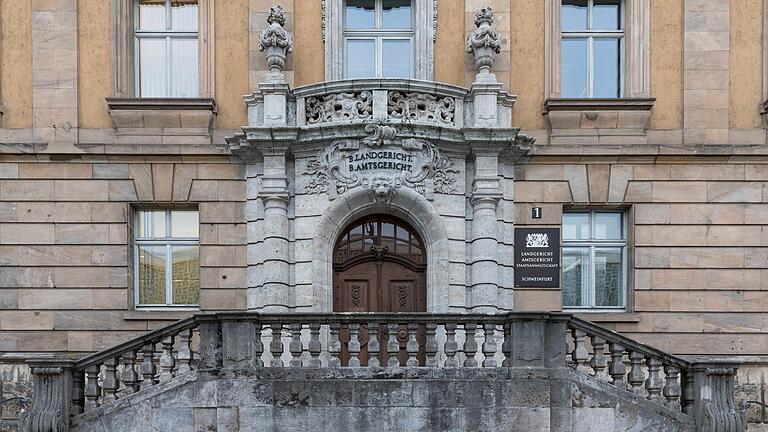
124 73
169 35
379 35
588 292
590 35
635 79
169 242
424 23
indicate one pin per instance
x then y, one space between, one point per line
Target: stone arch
405 204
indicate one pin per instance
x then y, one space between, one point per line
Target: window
594 260
167 250
165 46
591 50
378 38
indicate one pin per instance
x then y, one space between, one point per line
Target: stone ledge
178 116
158 315
597 119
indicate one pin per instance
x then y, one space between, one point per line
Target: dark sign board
537 257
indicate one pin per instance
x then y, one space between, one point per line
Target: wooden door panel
356 289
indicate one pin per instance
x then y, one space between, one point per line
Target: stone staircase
516 372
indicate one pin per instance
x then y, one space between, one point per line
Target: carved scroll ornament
382 164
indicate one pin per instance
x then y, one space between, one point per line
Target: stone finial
275 40
484 42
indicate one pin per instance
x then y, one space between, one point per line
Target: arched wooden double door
379 265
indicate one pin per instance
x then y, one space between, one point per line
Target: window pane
183 67
575 226
396 14
608 226
360 14
573 56
606 54
396 61
151 224
186 275
606 15
151 274
609 280
185 224
361 58
574 15
575 276
184 15
151 15
152 67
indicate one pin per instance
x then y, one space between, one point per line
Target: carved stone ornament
275 40
484 42
381 163
339 107
421 107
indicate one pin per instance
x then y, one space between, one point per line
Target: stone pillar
714 405
50 409
484 262
275 295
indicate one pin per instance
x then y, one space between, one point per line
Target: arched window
380 234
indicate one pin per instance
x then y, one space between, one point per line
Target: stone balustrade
377 100
233 343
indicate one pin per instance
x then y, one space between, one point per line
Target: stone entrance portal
379 265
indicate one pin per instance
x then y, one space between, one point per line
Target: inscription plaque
537 257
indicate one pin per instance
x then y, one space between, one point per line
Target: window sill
162 116
159 314
598 117
605 316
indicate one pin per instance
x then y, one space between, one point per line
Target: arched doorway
379 265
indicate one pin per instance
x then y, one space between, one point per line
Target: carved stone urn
484 42
275 41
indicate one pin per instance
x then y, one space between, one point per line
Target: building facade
162 158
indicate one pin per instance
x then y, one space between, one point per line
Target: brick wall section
65 245
699 268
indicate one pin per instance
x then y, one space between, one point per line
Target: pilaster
54 72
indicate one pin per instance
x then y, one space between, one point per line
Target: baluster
489 345
451 346
617 368
109 384
373 344
77 391
580 354
167 362
431 346
689 393
276 345
599 360
470 345
393 346
184 355
258 345
92 390
636 376
148 368
295 346
654 384
315 347
334 346
412 346
506 346
129 377
672 388
354 345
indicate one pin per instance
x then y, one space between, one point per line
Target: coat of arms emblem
537 240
